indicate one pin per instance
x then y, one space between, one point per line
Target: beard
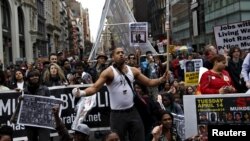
33 85
120 64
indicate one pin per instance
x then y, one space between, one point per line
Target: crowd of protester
58 70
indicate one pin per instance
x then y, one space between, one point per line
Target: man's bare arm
95 87
146 81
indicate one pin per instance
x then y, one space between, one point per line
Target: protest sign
202 111
96 119
84 105
191 71
179 122
138 33
36 111
232 35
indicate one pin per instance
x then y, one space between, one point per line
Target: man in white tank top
124 118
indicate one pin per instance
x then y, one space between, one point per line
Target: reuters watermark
216 132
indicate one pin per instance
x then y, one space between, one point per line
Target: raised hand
156 132
76 92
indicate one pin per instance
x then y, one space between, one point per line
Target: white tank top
120 93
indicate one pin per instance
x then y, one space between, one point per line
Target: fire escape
157 17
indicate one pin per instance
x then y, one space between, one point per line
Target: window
217 4
20 21
5 15
224 3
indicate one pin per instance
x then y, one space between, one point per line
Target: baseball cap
82 128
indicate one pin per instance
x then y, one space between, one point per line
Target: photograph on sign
36 111
207 110
189 66
191 71
138 37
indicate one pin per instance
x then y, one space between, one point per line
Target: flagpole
167 32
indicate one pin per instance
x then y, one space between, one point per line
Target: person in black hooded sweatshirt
34 87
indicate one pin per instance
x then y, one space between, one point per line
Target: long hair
60 73
14 75
143 87
231 51
31 73
161 113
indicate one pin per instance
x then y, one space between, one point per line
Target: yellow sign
191 78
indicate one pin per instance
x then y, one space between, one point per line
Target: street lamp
167 31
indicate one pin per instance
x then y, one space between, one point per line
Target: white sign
193 65
160 47
138 33
84 105
232 35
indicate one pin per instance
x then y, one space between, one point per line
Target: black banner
96 119
8 104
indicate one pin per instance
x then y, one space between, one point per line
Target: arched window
20 21
5 15
21 32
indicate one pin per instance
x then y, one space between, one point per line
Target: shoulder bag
139 102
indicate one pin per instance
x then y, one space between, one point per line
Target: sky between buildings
95 11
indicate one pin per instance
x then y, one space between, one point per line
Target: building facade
192 21
157 18
76 30
180 22
20 32
86 27
139 10
35 28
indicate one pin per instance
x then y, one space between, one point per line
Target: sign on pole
138 33
114 31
